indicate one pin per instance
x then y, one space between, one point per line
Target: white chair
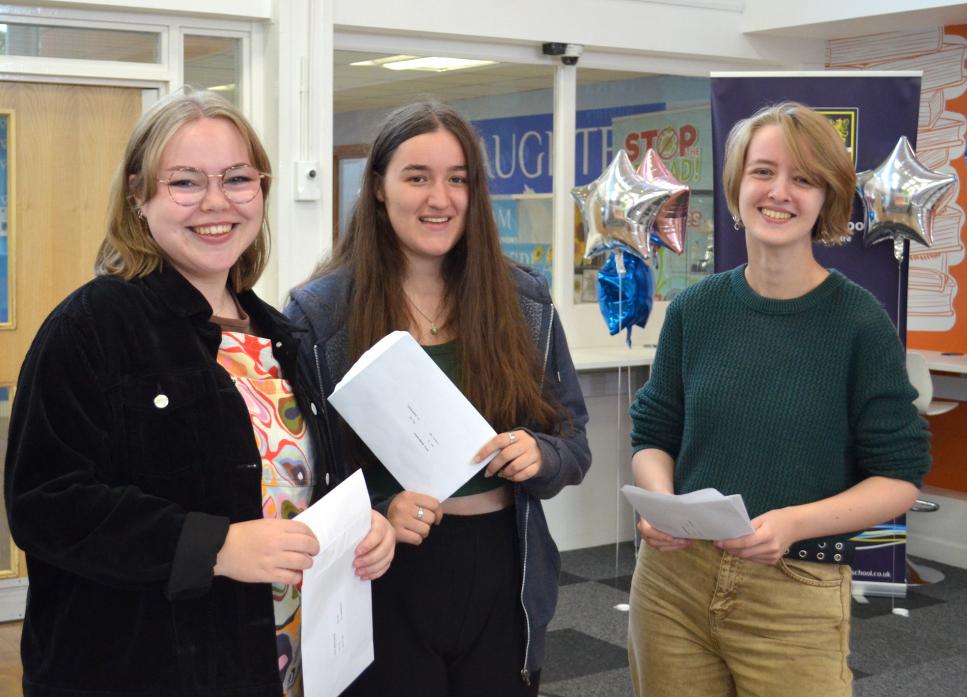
919 375
920 378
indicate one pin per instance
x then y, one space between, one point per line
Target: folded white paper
700 515
337 606
413 418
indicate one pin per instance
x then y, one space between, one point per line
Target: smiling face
425 193
203 241
778 201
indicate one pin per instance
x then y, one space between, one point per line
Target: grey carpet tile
946 677
573 654
953 585
590 608
890 643
605 561
609 683
877 607
621 583
567 579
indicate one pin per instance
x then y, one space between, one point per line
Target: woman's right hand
659 540
267 550
411 514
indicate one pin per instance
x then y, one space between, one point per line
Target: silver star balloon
671 222
618 208
900 198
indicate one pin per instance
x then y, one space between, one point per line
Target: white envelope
413 418
337 606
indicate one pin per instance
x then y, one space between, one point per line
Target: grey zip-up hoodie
321 307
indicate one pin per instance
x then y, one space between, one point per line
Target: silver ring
419 512
513 438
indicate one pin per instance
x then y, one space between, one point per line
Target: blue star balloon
626 291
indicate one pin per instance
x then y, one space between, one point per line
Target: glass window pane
671 115
5 288
511 107
214 63
80 43
6 550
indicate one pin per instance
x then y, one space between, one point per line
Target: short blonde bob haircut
128 249
817 149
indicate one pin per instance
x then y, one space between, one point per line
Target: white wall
595 513
706 30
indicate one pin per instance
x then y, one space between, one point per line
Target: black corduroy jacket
130 453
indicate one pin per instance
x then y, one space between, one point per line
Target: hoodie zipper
524 673
325 410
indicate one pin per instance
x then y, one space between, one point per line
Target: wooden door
63 148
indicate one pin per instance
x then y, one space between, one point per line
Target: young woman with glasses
784 382
163 434
474 583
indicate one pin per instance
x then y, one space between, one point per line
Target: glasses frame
221 185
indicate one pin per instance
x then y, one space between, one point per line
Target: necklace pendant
433 328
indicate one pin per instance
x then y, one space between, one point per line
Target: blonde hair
128 249
817 149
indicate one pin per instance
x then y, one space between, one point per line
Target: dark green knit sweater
782 401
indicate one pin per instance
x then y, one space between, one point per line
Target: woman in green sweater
784 382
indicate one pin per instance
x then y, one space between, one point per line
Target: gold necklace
433 328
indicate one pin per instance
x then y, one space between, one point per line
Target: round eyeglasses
240 184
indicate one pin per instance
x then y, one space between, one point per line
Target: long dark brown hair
500 365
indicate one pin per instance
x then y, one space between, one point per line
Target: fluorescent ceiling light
434 64
376 62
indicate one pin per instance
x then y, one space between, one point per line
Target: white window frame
166 75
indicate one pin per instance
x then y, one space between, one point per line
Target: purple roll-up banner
871 110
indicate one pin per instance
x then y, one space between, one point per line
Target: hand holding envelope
337 611
413 418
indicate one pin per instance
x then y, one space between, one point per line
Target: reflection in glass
214 63
671 115
80 43
7 550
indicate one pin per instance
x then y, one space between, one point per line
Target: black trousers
447 615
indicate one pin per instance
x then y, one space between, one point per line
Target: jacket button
327 479
278 344
312 406
161 401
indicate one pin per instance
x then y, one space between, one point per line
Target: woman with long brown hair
464 609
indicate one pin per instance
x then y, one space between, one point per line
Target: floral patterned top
287 477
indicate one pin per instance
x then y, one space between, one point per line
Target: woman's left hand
518 457
774 532
375 552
